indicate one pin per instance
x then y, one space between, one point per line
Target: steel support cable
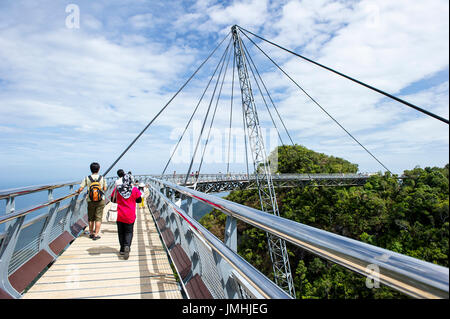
206 116
267 92
198 104
317 103
231 115
214 113
215 109
260 91
353 79
245 130
165 106
265 104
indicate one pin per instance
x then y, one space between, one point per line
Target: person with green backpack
96 185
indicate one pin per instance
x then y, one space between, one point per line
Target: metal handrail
26 211
13 192
259 281
20 191
409 275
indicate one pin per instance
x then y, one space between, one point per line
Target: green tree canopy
409 216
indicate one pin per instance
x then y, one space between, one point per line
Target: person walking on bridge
141 188
96 186
126 196
120 174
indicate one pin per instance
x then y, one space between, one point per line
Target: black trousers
125 232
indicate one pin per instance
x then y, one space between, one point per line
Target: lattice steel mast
266 191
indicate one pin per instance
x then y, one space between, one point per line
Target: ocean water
33 199
29 200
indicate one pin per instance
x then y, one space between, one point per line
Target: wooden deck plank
94 269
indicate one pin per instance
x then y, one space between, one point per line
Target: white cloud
406 45
113 75
249 13
141 21
211 17
382 44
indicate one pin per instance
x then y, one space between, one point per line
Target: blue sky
70 96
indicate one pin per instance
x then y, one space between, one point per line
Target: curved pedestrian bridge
45 253
94 269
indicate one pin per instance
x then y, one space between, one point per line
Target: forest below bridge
408 216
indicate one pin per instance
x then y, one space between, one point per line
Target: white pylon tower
266 190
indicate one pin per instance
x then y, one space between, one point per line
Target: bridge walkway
94 269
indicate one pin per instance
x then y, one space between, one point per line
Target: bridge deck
94 269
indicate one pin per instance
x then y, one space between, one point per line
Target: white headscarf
126 187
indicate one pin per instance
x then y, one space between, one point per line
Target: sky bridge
44 252
214 183
173 255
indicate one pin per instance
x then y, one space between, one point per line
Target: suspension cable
353 79
214 114
231 115
189 122
260 91
267 92
265 103
206 117
317 103
165 106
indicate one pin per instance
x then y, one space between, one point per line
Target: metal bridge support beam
266 190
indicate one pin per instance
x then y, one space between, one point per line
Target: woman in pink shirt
126 197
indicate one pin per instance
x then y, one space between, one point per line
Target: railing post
49 222
10 208
79 207
71 211
172 196
10 205
230 238
190 207
6 252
